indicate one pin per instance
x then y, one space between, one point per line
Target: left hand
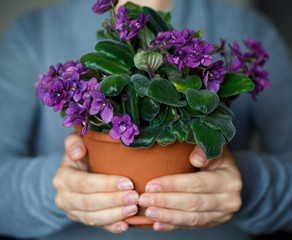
195 200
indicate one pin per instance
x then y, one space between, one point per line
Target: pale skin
202 199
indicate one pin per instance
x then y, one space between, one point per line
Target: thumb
75 147
198 158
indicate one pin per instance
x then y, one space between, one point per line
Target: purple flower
78 108
102 105
102 6
136 25
180 39
72 70
75 89
78 121
221 46
92 84
57 95
178 58
123 128
257 52
166 40
198 53
238 64
260 80
214 76
122 19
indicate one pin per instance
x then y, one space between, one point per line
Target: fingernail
121 228
76 151
159 227
125 185
130 210
199 157
146 201
131 198
153 188
153 214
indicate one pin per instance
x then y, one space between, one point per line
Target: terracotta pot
108 156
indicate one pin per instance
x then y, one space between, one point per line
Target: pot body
108 156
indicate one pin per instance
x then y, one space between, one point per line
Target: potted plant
149 92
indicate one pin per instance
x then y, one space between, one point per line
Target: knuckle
235 204
57 183
197 184
235 185
194 203
89 219
195 221
59 201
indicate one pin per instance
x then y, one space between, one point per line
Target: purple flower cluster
63 89
134 26
251 63
102 6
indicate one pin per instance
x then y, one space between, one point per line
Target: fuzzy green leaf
177 131
148 108
204 101
234 84
186 127
141 84
105 34
183 84
146 138
171 116
165 137
160 118
211 141
114 84
163 91
148 61
132 107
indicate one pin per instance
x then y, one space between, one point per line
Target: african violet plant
147 82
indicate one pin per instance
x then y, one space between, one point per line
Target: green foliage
148 108
131 105
234 84
114 84
148 61
165 137
162 91
141 84
183 84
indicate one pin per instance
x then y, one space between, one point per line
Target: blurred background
278 12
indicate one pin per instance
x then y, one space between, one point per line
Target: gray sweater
32 136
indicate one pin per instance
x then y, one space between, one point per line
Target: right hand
93 199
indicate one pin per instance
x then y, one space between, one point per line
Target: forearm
266 195
27 203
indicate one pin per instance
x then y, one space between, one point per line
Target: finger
98 201
191 202
118 227
75 147
181 218
199 182
84 182
198 158
103 217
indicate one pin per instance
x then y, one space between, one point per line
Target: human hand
196 200
93 199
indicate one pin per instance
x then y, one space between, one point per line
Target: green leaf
141 84
193 112
198 34
184 115
222 109
183 84
114 84
146 138
220 122
148 61
116 52
169 70
166 15
105 34
133 10
171 116
204 101
165 137
234 84
100 62
156 23
210 140
148 108
186 127
177 131
160 118
149 35
163 91
132 107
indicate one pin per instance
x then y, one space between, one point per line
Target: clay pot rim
99 136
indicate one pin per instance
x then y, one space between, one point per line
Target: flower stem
131 46
97 118
96 124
